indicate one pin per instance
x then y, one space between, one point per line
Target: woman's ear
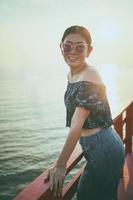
61 49
89 50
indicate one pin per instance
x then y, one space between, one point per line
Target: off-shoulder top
92 97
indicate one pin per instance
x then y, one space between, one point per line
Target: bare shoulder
92 75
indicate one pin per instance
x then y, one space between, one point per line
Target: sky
31 30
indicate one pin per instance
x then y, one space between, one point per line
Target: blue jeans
105 155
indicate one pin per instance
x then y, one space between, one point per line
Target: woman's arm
57 173
77 122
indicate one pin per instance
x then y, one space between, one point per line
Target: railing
123 124
38 190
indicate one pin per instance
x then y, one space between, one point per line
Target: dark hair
78 29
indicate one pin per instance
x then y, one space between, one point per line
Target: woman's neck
77 70
75 74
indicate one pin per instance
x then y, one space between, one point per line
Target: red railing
123 124
38 190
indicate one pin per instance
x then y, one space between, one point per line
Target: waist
108 137
89 132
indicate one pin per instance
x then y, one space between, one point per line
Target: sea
32 119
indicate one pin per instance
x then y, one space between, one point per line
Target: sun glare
109 75
109 30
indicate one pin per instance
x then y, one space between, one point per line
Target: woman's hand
56 176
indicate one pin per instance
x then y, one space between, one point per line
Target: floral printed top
92 97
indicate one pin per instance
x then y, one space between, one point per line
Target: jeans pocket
93 153
88 149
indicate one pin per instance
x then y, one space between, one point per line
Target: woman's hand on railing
56 176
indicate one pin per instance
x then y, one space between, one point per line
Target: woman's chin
73 64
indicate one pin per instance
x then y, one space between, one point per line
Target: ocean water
32 121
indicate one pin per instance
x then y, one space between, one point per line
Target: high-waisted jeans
105 154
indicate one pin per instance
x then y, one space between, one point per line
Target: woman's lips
73 58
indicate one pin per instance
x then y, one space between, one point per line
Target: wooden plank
70 189
125 189
129 128
118 125
38 190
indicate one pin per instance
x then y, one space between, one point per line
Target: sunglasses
79 48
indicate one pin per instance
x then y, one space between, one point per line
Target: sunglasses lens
66 47
80 48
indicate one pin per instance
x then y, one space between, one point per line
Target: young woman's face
75 50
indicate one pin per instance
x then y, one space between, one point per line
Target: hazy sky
30 30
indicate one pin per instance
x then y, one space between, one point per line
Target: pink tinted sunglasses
79 48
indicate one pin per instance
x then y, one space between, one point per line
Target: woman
89 119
